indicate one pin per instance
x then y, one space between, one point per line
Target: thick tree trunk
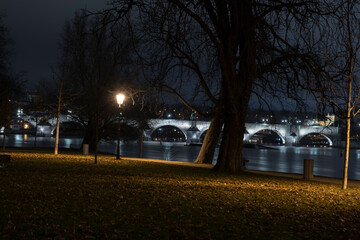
206 154
238 75
230 155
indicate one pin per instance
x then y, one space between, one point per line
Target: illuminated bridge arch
271 130
318 133
169 126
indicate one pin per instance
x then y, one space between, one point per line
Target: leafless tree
60 86
333 76
10 84
98 63
207 51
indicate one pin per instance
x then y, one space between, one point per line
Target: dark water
327 161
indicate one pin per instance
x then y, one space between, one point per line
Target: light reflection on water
327 161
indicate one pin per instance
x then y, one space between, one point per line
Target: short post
86 149
308 169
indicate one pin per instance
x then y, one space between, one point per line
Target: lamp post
120 100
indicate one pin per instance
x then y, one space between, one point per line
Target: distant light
169 115
26 126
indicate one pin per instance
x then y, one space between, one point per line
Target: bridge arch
167 126
317 133
282 138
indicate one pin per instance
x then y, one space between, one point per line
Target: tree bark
206 154
230 155
238 75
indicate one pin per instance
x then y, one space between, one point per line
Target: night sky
35 27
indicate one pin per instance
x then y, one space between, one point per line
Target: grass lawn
43 196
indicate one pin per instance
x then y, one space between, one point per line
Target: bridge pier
193 136
290 141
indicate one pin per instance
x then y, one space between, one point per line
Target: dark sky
35 27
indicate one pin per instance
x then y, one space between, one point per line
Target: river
327 161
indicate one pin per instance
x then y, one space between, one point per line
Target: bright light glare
120 99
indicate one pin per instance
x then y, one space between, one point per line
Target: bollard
308 169
86 149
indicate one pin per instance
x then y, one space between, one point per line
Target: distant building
328 121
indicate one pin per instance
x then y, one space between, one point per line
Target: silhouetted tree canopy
9 83
99 63
218 53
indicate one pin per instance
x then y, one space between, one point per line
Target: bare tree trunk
347 143
206 154
237 82
57 132
141 142
346 157
230 155
4 136
96 138
36 126
56 148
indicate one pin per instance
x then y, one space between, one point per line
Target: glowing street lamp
120 100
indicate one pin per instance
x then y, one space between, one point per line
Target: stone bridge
290 134
193 130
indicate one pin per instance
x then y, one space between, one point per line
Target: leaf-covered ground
43 196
